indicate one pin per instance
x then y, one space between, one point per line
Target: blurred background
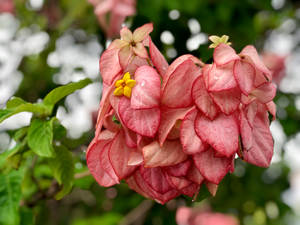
47 43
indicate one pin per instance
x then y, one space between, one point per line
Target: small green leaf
63 170
14 102
40 137
19 134
38 109
10 196
58 93
59 131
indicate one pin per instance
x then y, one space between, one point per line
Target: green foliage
107 219
40 137
63 170
10 196
58 93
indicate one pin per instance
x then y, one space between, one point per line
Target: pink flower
190 216
7 6
117 10
276 65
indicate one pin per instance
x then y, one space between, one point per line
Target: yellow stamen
216 40
124 86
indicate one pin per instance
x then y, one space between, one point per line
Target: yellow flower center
124 86
216 40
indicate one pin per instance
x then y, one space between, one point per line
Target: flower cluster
168 129
112 13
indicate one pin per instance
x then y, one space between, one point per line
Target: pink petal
158 59
246 131
179 170
142 32
272 109
194 175
134 186
140 50
94 165
177 92
135 158
161 198
251 55
103 7
105 163
130 137
126 34
221 77
190 190
221 133
168 155
125 55
212 188
224 54
124 9
109 65
178 183
109 123
146 92
135 63
203 100
228 101
211 167
244 74
261 152
156 179
190 141
105 135
265 93
183 215
177 62
115 24
168 120
143 121
119 156
105 107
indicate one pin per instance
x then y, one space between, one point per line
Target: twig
82 174
137 212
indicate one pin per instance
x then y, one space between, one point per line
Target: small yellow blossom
124 86
216 40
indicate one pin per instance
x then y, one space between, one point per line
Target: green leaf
38 109
63 170
40 137
58 93
59 131
107 219
26 216
10 196
14 102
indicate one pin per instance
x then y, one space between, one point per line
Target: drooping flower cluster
195 216
112 13
166 130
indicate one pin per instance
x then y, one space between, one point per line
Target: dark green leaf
59 131
40 137
10 196
26 215
63 170
58 93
